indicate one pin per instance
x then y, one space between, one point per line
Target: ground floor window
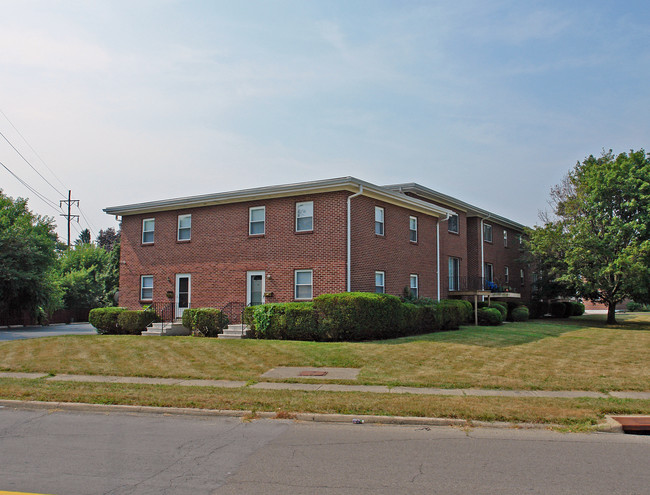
414 286
454 274
380 286
304 284
146 287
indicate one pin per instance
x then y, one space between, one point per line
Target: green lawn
580 354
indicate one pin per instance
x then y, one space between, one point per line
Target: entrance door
254 288
183 293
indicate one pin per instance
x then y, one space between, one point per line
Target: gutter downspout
438 250
482 254
349 237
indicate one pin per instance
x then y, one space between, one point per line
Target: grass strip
574 414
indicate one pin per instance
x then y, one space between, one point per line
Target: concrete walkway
329 387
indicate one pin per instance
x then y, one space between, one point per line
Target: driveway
55 330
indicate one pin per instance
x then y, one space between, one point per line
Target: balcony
479 286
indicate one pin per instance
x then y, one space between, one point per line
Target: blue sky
491 102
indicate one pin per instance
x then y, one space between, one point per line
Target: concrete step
166 329
234 331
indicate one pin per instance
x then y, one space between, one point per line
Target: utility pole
69 217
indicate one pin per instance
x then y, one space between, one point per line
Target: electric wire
47 201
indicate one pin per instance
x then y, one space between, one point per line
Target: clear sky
488 101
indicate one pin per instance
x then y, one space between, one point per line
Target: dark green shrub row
490 316
635 306
519 313
538 309
205 322
354 317
120 321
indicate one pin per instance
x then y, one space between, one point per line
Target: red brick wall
392 253
220 251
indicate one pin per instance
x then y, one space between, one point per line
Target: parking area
33 332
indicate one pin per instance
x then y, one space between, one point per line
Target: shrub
502 307
205 322
537 309
557 309
489 316
635 306
451 313
358 316
134 322
577 309
105 320
283 321
520 313
568 309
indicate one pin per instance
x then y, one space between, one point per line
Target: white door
255 288
183 293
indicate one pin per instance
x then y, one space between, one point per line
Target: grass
578 354
572 414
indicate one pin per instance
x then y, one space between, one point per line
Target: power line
49 202
31 148
28 163
91 227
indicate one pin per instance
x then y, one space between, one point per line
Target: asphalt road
97 453
48 331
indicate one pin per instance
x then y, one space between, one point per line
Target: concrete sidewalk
329 387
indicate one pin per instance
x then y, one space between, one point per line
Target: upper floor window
452 224
413 229
256 220
304 288
505 238
379 220
148 227
506 275
521 275
184 227
521 241
487 232
414 286
305 216
146 287
380 283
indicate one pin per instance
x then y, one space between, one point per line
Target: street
54 330
57 452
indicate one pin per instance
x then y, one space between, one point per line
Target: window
256 218
506 275
184 227
452 224
521 275
146 287
487 232
304 285
414 286
413 229
521 241
454 274
379 220
505 238
148 227
380 286
489 275
305 216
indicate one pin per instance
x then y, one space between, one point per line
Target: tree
84 237
27 254
108 238
598 243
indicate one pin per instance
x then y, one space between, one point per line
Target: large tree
27 254
597 243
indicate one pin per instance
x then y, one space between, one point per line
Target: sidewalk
328 387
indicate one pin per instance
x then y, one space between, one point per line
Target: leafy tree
27 254
84 237
85 274
108 238
598 243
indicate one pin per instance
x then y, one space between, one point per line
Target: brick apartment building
293 242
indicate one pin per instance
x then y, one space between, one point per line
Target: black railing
165 311
473 283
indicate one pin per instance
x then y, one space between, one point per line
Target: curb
304 417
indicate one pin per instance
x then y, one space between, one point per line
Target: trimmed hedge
283 321
452 313
204 322
135 322
537 309
489 316
578 309
520 313
105 320
557 309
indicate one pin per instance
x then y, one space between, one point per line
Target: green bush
489 316
283 321
452 313
354 316
520 313
635 306
557 309
205 322
577 309
568 309
538 309
105 320
134 322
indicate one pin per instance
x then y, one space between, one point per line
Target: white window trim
413 230
178 228
312 216
506 275
383 281
249 275
522 276
505 238
457 217
250 220
147 231
142 287
414 276
486 227
295 285
382 222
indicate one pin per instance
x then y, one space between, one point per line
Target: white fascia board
281 191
